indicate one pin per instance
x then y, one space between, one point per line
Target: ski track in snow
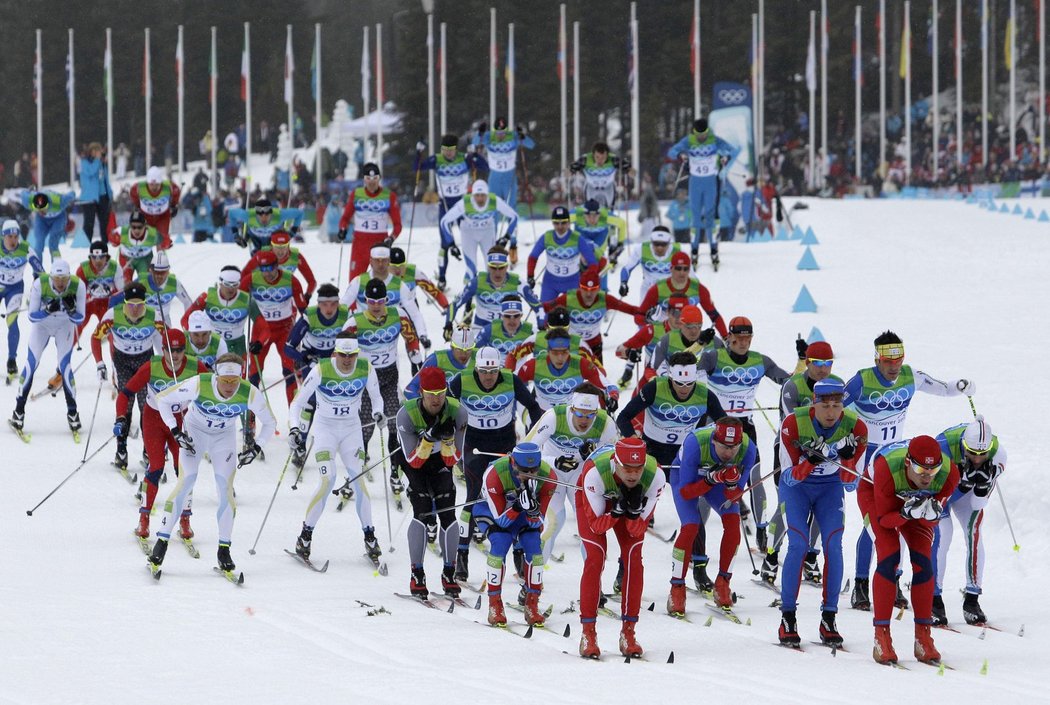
82 621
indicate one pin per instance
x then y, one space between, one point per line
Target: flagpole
696 58
812 88
984 83
882 84
379 96
575 89
430 88
214 78
958 84
636 139
71 90
317 105
1010 47
492 65
564 92
511 78
754 87
182 98
247 113
935 167
761 81
38 75
1042 81
823 91
109 102
907 90
290 98
148 83
858 73
443 82
366 57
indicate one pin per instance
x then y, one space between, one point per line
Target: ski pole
299 475
609 327
91 426
998 491
386 493
29 512
415 197
747 545
280 479
840 466
753 485
454 506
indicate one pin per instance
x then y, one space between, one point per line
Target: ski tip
324 568
240 579
567 631
652 607
528 632
477 605
626 659
670 657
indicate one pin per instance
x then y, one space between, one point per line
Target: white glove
967 387
525 500
100 368
421 146
931 509
913 508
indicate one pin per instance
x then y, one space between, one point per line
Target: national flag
905 51
1008 44
178 68
213 75
858 68
37 76
632 78
147 83
69 74
289 69
244 71
561 49
107 72
694 46
508 71
366 73
811 66
313 71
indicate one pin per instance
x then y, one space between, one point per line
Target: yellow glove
424 449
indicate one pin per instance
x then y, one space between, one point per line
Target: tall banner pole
984 82
811 86
214 94
147 79
380 98
906 50
1042 81
696 58
858 76
823 91
958 84
108 68
71 93
181 88
575 89
1011 59
430 89
247 111
882 83
759 144
935 101
444 83
493 60
511 77
317 104
636 138
564 92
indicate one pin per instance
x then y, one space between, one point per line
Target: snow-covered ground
81 620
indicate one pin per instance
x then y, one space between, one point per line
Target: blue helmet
827 387
526 455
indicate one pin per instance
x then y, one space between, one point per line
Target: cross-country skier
258 226
136 241
600 169
564 250
502 145
51 211
478 216
14 256
158 200
376 217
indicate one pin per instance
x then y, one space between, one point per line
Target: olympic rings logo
504 346
558 386
12 262
350 387
260 230
379 336
491 298
449 170
276 294
741 375
732 96
161 384
137 334
572 443
677 412
890 399
601 170
507 147
586 317
663 268
222 409
488 402
372 205
227 315
152 298
325 333
565 252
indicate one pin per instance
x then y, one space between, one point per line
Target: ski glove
120 427
69 303
979 479
634 354
251 452
612 403
531 280
728 475
566 463
52 306
183 439
255 347
927 508
425 341
455 252
240 239
967 387
706 336
848 447
378 417
815 450
446 332
623 289
342 234
800 347
586 448
297 439
100 368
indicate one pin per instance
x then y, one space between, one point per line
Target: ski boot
12 370
618 582
73 419
589 641
448 582
55 383
901 601
497 615
940 616
625 379
185 531
788 632
972 611
925 650
811 568
226 563
418 583
159 549
533 616
372 549
629 646
883 651
715 261
479 535
17 420
299 457
395 483
700 578
760 538
770 567
676 599
462 573
302 544
859 599
442 285
521 596
143 528
723 596
829 634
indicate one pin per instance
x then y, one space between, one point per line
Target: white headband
585 402
228 369
683 374
347 346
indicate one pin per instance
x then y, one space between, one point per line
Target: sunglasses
263 211
434 393
821 363
267 267
177 350
346 354
661 244
680 269
971 451
584 414
375 301
892 359
512 315
925 471
97 256
228 379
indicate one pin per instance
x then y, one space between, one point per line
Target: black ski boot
448 582
372 545
12 370
159 549
73 419
811 568
302 544
770 567
120 460
703 583
462 574
519 562
972 611
618 583
761 542
418 583
859 599
225 561
829 634
17 420
940 616
788 632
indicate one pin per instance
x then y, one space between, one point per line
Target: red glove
734 493
729 475
694 489
600 525
636 527
802 470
